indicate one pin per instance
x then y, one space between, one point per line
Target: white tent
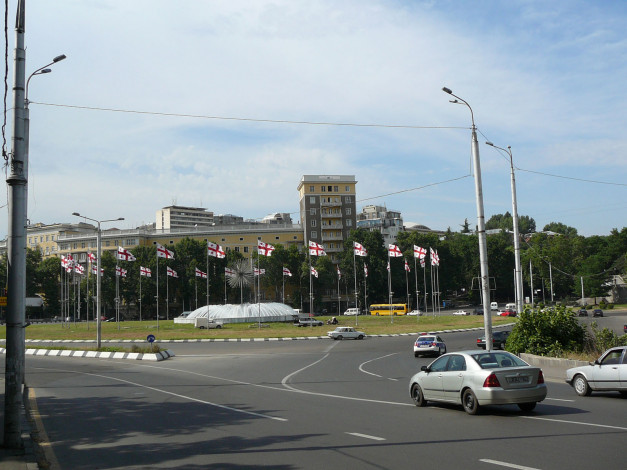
244 313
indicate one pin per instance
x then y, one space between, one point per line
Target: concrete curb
160 356
552 367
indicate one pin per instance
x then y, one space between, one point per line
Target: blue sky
542 77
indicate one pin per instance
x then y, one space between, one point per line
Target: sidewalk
22 459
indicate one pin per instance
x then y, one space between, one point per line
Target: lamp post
518 275
98 271
483 249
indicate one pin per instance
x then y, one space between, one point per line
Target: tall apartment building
328 210
173 217
380 219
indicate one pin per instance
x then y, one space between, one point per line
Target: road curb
159 356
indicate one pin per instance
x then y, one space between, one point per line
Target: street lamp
98 271
518 275
483 249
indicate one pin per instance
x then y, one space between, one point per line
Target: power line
414 189
232 118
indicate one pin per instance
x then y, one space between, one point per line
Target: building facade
380 219
181 217
328 210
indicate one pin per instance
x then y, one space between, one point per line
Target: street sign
150 338
3 301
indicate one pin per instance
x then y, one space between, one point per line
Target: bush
547 332
602 340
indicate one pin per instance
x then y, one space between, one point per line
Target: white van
352 311
494 306
510 306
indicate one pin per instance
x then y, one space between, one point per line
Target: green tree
559 227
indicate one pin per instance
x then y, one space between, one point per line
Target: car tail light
491 381
478 340
434 344
540 378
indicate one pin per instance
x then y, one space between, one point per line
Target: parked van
352 311
494 306
510 306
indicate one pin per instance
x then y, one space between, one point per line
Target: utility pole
17 182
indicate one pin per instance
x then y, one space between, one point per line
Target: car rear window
429 339
496 360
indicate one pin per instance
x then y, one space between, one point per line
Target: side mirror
424 368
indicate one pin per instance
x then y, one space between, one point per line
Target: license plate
517 380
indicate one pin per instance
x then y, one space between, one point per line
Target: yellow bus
385 309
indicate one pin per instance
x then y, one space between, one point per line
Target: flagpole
283 289
365 293
310 289
157 296
208 282
167 296
117 296
416 279
196 290
87 294
259 287
355 273
140 293
390 286
424 278
339 296
407 284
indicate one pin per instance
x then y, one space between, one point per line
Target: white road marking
560 399
366 436
371 360
509 465
575 422
175 394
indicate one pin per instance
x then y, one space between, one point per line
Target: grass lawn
135 330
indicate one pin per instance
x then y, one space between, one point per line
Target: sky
222 96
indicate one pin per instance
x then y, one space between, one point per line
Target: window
312 189
349 211
312 200
314 234
245 249
313 222
41 238
348 199
47 237
347 189
349 223
336 189
171 242
276 238
74 246
439 365
237 249
241 239
106 242
83 245
323 188
330 188
312 211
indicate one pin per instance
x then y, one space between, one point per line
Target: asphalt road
306 404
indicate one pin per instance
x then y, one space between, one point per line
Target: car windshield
428 339
495 360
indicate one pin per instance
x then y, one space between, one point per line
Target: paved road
304 404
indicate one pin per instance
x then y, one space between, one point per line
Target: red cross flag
313 271
172 272
422 262
94 270
264 249
125 255
163 252
359 249
287 272
419 252
435 259
145 271
78 269
316 250
407 267
394 251
229 271
92 257
200 274
215 250
120 272
259 272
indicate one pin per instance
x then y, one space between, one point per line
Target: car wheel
469 401
219 326
202 327
417 396
527 407
503 346
416 354
360 337
340 337
581 386
444 350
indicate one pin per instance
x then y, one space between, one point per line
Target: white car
461 312
351 311
346 332
415 313
429 344
607 373
476 378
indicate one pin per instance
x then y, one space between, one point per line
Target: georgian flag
422 262
229 271
79 269
394 251
125 255
172 272
92 257
313 270
163 252
407 267
316 250
145 271
287 272
259 272
339 274
359 249
120 272
94 270
264 249
435 259
365 270
200 274
215 250
419 252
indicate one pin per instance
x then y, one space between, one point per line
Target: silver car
477 378
608 373
344 332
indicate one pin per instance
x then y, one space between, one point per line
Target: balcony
331 237
331 216
336 226
329 204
